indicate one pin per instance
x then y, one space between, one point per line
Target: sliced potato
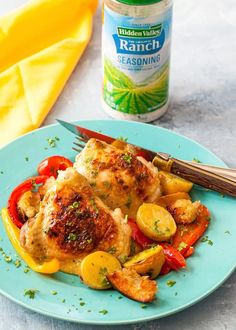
96 266
148 262
171 183
167 200
156 222
132 285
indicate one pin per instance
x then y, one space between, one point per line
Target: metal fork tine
77 150
79 145
82 139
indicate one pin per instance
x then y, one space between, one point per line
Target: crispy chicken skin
117 177
72 222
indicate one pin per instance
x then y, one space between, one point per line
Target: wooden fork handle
198 175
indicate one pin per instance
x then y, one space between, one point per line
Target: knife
222 180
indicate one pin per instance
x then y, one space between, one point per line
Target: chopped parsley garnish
120 297
144 306
63 301
82 303
103 271
26 159
93 203
129 202
195 160
54 293
112 250
1 172
207 240
127 158
89 241
8 259
52 142
103 311
88 160
122 138
123 259
26 270
17 263
182 246
176 293
75 205
227 232
31 293
104 281
171 283
72 237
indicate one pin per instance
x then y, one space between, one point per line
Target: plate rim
137 320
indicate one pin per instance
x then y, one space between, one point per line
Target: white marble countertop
203 107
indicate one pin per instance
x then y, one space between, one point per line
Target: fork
215 178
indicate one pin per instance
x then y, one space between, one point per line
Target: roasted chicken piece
29 203
132 285
119 178
184 211
73 222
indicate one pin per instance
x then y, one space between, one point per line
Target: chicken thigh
119 178
73 222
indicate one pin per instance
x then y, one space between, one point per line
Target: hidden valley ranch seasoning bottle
136 58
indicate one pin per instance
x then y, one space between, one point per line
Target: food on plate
118 177
13 232
167 200
171 183
173 258
13 206
148 262
111 218
73 222
133 285
183 210
96 266
188 234
155 222
51 165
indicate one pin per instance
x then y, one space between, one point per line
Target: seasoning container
136 58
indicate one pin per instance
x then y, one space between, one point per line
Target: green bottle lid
139 2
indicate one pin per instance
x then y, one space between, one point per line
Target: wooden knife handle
199 175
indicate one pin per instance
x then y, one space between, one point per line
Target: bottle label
136 57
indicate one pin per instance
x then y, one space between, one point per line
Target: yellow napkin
40 44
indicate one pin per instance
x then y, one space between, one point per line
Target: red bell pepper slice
138 236
190 233
174 258
165 269
189 252
51 165
16 195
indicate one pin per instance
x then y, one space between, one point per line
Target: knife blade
88 134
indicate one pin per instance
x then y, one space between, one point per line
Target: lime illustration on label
136 55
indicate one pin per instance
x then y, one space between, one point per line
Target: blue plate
206 270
